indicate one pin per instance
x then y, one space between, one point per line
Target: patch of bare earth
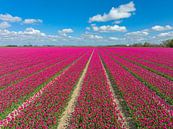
64 121
116 101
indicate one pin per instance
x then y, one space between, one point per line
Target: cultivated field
87 88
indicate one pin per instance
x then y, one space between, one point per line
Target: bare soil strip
63 122
126 123
25 104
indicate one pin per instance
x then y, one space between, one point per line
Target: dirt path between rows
64 121
25 104
125 123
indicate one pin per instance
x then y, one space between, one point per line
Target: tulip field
86 88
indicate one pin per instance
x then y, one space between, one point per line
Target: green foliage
168 43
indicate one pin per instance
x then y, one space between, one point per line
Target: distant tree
27 45
11 46
168 43
137 45
146 44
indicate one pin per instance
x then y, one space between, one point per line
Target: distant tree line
146 44
167 43
11 46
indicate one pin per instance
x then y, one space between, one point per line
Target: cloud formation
166 34
37 37
108 28
92 36
138 33
32 21
31 31
113 38
4 25
10 18
162 28
65 31
121 12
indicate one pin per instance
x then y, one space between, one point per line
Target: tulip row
151 66
21 58
45 110
95 106
19 92
157 56
10 79
18 59
158 83
149 111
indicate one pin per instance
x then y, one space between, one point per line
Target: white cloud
88 28
64 32
31 31
162 28
117 22
108 28
32 21
4 25
166 34
138 33
36 37
92 36
10 18
29 35
113 38
123 11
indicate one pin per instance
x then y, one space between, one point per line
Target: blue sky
85 22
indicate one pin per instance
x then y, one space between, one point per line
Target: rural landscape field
86 64
86 87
